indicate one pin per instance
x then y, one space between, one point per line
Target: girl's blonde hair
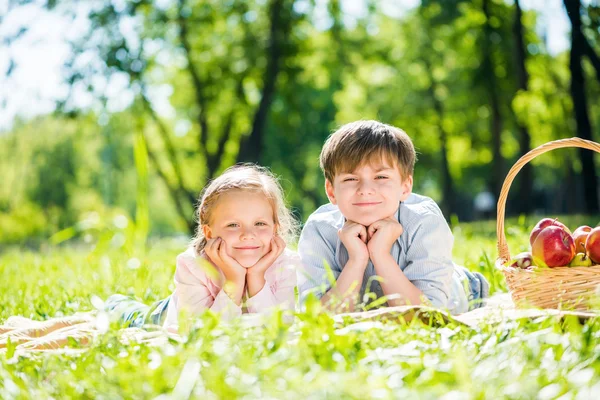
244 177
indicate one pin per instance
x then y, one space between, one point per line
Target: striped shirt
423 252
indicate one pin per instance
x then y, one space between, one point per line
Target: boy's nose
365 188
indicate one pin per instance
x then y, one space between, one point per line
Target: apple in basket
553 247
581 260
580 235
592 245
544 223
522 260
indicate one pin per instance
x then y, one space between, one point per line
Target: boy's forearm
395 283
343 296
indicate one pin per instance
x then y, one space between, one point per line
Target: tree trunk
497 175
251 146
526 174
448 195
584 129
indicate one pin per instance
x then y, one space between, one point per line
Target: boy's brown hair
358 142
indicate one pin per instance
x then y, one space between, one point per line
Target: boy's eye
232 225
349 179
381 177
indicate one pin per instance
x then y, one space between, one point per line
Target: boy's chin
367 220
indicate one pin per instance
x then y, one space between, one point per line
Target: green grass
542 359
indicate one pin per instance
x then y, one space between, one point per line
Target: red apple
553 247
580 236
522 260
592 245
544 223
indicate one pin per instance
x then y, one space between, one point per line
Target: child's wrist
236 279
382 259
253 274
357 262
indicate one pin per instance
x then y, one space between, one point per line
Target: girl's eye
232 225
261 224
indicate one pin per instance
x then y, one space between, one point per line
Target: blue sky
36 80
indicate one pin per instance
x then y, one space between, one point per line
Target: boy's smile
367 204
370 193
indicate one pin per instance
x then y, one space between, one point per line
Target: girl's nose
247 234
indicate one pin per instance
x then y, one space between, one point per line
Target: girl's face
244 220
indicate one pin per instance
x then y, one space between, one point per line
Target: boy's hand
381 236
277 247
216 251
354 238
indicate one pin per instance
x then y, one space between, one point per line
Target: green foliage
316 357
197 71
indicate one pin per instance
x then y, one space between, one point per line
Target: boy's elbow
435 297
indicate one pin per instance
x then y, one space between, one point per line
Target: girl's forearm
255 283
235 290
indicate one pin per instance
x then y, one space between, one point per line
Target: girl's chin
247 262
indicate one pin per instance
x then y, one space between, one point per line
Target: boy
375 225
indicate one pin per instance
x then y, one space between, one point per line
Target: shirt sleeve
319 269
280 282
429 259
192 292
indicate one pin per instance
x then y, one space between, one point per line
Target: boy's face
370 193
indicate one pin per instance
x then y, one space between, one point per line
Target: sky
36 58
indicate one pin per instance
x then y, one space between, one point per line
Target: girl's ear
207 232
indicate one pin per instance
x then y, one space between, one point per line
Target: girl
238 261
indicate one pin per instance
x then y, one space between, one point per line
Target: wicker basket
567 288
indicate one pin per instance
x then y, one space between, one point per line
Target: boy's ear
207 232
329 191
406 188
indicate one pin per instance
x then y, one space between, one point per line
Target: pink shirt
195 291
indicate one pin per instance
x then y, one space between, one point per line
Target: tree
226 89
579 98
526 173
489 76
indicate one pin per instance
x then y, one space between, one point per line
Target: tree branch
251 147
196 79
169 145
591 55
173 191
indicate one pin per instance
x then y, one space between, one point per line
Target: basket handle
504 254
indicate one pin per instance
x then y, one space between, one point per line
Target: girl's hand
217 252
277 247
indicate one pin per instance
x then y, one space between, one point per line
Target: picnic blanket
497 309
74 333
